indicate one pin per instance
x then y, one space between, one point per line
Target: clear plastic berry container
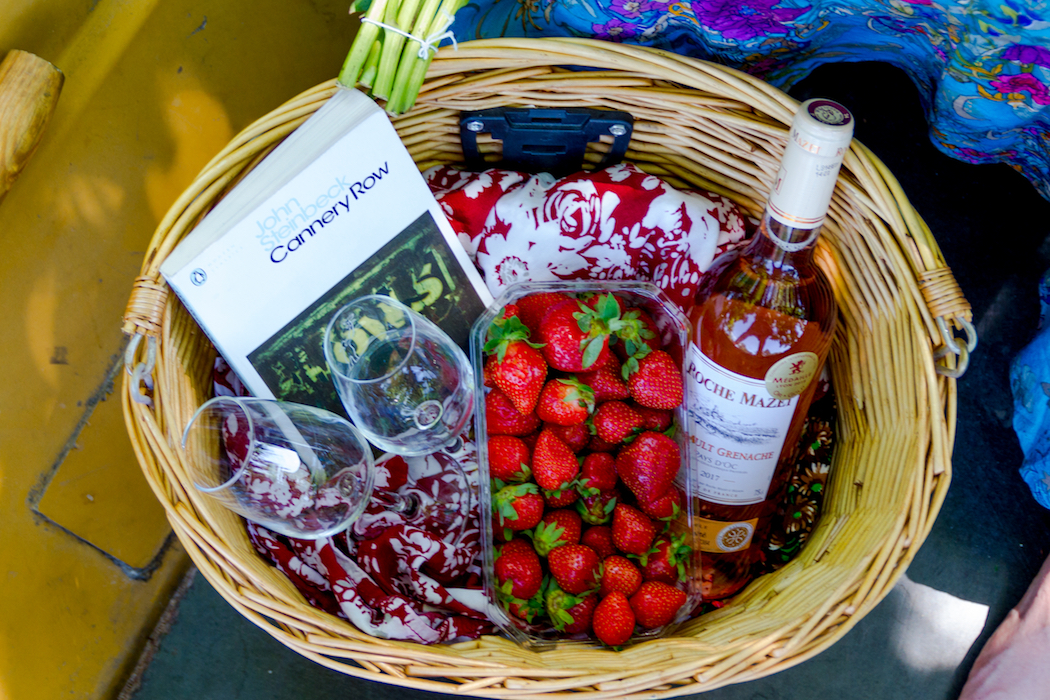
673 526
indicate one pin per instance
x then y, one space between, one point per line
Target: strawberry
486 376
575 436
594 299
569 613
500 533
632 530
615 421
526 609
575 567
613 620
576 337
655 604
657 383
598 509
508 459
637 337
554 466
530 439
502 418
649 332
665 508
565 402
514 364
606 381
518 571
598 445
561 498
648 465
510 310
619 574
557 528
668 559
657 420
533 307
598 473
518 506
599 538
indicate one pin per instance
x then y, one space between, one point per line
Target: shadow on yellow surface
152 90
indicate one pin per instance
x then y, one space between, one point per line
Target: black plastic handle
544 140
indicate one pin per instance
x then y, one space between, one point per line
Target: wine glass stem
405 504
452 446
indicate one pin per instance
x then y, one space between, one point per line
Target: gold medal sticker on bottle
790 376
718 536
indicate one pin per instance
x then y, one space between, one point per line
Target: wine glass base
442 501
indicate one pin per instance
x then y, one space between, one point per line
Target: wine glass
402 380
409 388
298 470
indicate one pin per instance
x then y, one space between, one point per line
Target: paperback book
337 211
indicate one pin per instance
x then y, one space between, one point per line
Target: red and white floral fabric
618 224
391 579
388 587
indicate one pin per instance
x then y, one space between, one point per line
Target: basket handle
142 319
940 291
951 312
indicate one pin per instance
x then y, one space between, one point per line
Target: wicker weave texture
697 125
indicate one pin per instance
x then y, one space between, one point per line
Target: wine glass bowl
402 380
298 470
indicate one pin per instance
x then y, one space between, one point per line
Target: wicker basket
696 125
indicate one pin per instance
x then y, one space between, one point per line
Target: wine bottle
762 327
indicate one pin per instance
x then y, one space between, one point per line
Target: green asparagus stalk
364 42
402 16
414 70
410 54
386 62
371 68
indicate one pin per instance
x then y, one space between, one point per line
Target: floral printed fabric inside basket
398 582
390 579
617 224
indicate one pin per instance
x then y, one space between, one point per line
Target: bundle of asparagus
393 48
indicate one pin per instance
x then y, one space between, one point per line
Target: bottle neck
781 246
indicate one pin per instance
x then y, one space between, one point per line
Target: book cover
356 219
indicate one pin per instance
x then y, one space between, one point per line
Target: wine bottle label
720 537
738 431
791 375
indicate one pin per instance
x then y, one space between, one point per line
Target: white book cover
359 219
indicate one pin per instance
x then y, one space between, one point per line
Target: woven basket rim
871 528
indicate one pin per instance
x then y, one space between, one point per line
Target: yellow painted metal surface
97 496
153 90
